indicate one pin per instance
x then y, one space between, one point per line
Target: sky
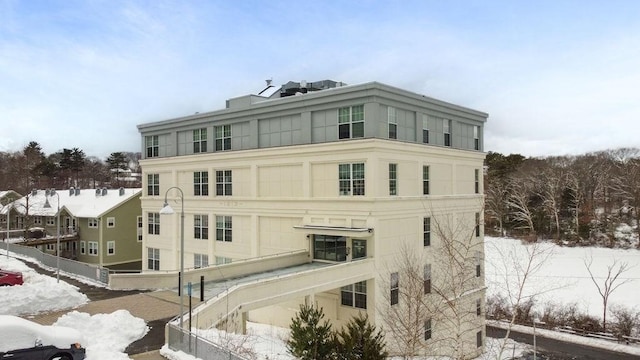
555 77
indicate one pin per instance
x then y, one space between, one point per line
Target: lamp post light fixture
168 210
48 206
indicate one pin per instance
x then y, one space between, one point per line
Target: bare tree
611 282
520 190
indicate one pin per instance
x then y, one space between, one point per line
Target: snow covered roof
82 203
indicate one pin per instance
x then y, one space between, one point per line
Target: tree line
31 168
581 199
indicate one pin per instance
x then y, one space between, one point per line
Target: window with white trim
224 228
199 140
354 295
393 179
139 229
37 220
51 220
111 222
393 122
83 247
153 259
479 338
221 260
428 329
425 180
111 247
223 137
478 264
478 307
476 137
153 184
153 223
477 181
446 125
427 279
425 129
93 222
351 179
201 226
200 260
351 122
477 224
201 183
224 181
394 285
93 248
426 231
152 144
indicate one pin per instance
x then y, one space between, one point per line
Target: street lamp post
167 209
47 205
8 220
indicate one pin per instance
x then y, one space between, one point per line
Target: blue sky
556 77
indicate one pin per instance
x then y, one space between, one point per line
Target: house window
427 279
111 222
153 184
359 249
224 183
83 247
199 141
93 248
479 307
221 260
447 132
427 329
51 247
152 145
478 264
393 179
93 223
201 183
479 339
351 122
201 227
425 129
37 220
139 221
224 227
153 259
476 137
477 224
223 137
425 180
51 220
354 295
153 223
393 122
426 231
477 181
200 260
351 179
332 248
111 247
394 288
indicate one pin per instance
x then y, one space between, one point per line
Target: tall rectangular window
479 307
479 339
153 184
425 129
224 182
477 181
224 227
359 249
201 183
199 141
152 145
153 259
111 222
153 223
393 122
93 248
478 264
200 260
351 122
201 227
477 224
446 125
223 137
426 231
394 288
425 180
476 137
139 221
83 247
427 329
351 179
354 295
427 279
92 222
393 179
111 247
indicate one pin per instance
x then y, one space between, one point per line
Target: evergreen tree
360 340
117 161
310 339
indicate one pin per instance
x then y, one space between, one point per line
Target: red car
9 278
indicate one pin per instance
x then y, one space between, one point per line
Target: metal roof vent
71 191
121 191
104 191
97 192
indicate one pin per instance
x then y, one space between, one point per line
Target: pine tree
360 340
310 339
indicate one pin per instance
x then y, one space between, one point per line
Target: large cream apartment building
367 172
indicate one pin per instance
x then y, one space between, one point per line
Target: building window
201 183
83 247
51 247
37 220
354 295
139 221
332 248
223 137
479 339
425 129
479 307
427 329
152 145
93 223
199 141
427 279
153 223
393 122
93 248
201 227
426 231
51 220
476 137
221 260
111 222
224 183
351 179
447 132
351 122
224 227
153 259
153 184
393 179
477 224
200 260
425 180
394 288
359 249
111 247
477 181
478 264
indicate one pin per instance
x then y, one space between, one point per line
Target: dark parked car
8 278
22 339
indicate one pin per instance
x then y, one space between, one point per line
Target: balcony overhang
335 230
